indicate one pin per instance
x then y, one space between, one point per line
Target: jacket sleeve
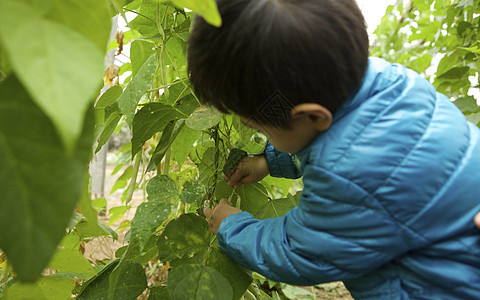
281 164
323 239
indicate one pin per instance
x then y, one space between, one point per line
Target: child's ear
318 115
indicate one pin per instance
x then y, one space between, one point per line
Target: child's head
272 54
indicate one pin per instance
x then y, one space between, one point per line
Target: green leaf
122 180
159 292
467 104
146 22
127 281
277 207
140 51
132 251
161 187
455 73
222 190
184 240
238 277
59 67
141 82
85 206
168 136
244 132
46 288
148 216
182 145
474 118
253 197
70 260
97 286
198 282
93 24
152 118
206 8
204 117
192 192
40 181
117 212
104 132
109 97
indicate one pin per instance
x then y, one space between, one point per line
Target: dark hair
303 50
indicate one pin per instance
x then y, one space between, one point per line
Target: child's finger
207 212
230 173
477 220
224 201
236 177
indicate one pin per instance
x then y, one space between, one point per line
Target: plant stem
166 164
133 180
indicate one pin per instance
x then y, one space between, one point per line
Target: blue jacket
390 193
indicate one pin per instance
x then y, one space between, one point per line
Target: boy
390 167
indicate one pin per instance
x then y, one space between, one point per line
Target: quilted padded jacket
390 193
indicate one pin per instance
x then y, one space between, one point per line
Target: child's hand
220 212
249 169
477 220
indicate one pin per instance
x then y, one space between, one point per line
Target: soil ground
105 247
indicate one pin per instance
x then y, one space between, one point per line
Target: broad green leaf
97 286
71 260
474 118
206 166
158 292
109 97
252 197
127 281
222 190
122 180
46 288
175 55
141 82
244 132
204 117
40 181
277 207
161 187
71 241
140 51
86 230
184 240
117 212
152 118
182 145
454 73
150 20
148 216
238 277
132 251
59 67
193 192
206 8
467 104
195 281
187 104
93 24
168 136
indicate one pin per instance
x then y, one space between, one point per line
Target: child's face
292 140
